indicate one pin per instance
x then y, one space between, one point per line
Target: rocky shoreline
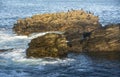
82 32
62 21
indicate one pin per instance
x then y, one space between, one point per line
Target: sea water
14 63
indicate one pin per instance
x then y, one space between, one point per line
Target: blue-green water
14 62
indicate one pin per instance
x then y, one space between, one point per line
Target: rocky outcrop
63 21
102 39
105 39
82 32
49 45
74 37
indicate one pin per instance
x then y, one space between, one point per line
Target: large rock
74 36
49 45
105 39
75 46
63 21
102 39
82 31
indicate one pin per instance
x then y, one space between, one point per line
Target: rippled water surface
14 62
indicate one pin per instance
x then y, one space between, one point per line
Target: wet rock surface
49 45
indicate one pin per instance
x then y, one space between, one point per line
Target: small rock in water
3 50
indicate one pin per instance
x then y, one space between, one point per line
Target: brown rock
49 45
75 46
102 39
4 50
74 36
105 39
82 31
57 22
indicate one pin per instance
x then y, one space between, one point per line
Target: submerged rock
4 50
62 21
49 45
104 55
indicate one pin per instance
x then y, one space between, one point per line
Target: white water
18 43
17 56
14 63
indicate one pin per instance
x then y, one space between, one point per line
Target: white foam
8 41
14 54
42 61
17 56
35 35
6 36
12 41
